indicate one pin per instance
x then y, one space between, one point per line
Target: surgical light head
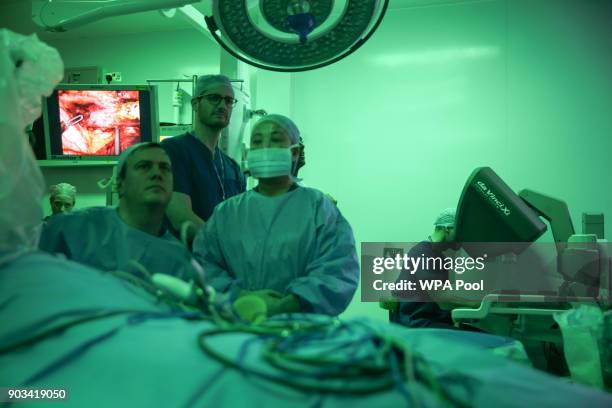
293 35
279 35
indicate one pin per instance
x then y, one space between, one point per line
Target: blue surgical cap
125 155
446 218
121 162
63 189
205 82
285 123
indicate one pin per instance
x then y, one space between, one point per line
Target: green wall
522 86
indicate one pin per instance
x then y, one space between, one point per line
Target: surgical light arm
64 15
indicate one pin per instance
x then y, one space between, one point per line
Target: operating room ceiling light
278 35
294 35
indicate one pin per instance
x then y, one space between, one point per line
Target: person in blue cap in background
428 313
203 175
288 245
131 236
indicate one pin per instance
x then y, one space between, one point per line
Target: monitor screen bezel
152 105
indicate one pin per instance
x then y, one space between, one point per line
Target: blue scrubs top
206 180
294 243
98 237
423 314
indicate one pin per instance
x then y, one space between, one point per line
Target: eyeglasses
214 99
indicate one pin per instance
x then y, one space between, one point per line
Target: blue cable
71 356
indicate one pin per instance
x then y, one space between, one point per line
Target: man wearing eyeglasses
203 175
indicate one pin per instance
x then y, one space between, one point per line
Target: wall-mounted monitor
98 122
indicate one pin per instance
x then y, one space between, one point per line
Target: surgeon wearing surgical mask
287 245
273 155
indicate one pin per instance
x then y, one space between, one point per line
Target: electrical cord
144 279
59 329
374 361
137 316
220 313
390 362
369 361
145 284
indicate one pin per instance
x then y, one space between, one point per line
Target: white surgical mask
270 162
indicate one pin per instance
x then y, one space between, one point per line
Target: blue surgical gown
99 238
296 243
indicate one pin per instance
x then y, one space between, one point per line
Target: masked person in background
286 244
62 198
428 313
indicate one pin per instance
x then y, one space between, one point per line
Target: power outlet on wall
392 252
115 76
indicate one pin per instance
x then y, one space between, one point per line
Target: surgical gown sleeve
207 250
52 238
332 273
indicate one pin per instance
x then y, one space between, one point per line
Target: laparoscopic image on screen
100 122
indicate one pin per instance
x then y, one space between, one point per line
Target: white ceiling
16 15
